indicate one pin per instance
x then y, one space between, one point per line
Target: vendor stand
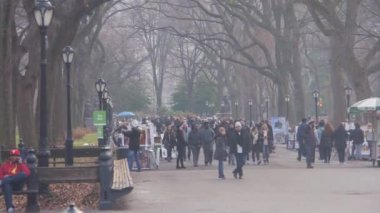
372 106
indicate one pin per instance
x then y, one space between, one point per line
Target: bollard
72 209
32 182
105 174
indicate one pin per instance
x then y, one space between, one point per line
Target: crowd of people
238 141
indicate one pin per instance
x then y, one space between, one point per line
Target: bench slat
68 174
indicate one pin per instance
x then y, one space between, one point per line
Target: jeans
220 169
208 153
134 156
256 152
309 155
327 153
10 183
180 156
358 151
266 153
341 151
240 158
195 151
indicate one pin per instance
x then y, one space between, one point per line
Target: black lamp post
43 14
287 100
100 86
68 55
105 108
236 109
222 107
250 103
348 91
316 96
267 107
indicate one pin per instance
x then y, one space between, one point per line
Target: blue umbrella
125 114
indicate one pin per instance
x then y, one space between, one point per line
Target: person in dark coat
310 143
195 143
301 135
340 139
207 138
169 141
230 138
357 136
180 147
240 147
134 147
326 142
220 150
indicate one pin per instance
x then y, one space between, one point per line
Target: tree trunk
337 82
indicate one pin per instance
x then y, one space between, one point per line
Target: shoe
235 175
183 167
178 167
222 177
310 167
299 159
258 163
240 177
11 210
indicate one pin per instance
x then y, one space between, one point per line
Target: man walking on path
301 138
240 147
207 138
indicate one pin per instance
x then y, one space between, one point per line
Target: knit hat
237 124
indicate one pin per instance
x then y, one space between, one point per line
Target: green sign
99 132
99 118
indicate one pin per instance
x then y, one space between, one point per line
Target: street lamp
100 86
67 56
316 96
287 100
43 14
212 105
222 107
236 109
267 107
348 91
250 111
105 108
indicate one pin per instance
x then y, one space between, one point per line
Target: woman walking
256 145
220 150
264 134
340 138
327 142
195 143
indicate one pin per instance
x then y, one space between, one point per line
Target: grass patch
90 139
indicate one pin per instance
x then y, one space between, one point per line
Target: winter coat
326 139
310 137
195 138
9 168
357 136
242 139
340 138
207 136
134 138
170 138
220 148
180 139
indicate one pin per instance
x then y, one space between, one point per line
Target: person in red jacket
13 174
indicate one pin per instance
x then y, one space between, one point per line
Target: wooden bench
81 156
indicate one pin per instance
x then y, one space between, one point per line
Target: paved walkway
283 186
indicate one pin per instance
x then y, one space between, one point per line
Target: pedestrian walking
340 140
256 145
220 150
230 138
195 143
310 144
320 129
357 136
239 146
134 147
169 140
207 138
264 135
180 147
301 134
326 144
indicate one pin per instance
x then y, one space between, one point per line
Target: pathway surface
283 186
